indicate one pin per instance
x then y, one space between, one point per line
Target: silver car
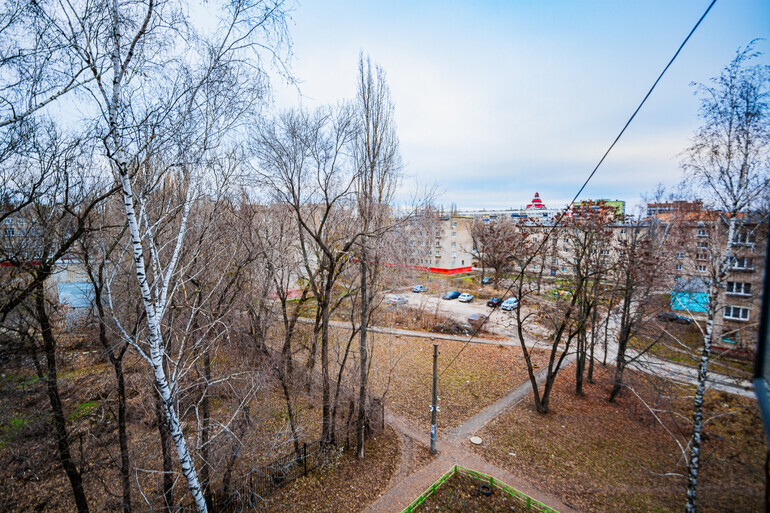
509 304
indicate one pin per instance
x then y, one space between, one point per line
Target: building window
677 278
702 268
454 225
553 260
454 244
563 269
454 234
737 288
736 313
438 234
703 245
680 256
438 244
678 267
702 233
622 231
436 262
605 252
701 256
9 232
742 263
743 239
438 254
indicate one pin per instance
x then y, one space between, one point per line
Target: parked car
397 300
672 317
452 294
419 288
486 280
509 304
494 302
476 320
465 297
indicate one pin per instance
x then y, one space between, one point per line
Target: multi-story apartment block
698 240
444 245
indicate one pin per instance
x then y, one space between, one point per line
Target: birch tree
729 164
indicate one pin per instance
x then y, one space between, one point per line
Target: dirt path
415 475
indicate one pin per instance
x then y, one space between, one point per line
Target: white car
509 304
397 300
465 298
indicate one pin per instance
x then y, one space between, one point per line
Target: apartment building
441 245
698 240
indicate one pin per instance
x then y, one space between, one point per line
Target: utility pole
434 406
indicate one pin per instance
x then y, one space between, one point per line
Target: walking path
646 363
455 449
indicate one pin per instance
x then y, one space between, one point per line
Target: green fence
525 500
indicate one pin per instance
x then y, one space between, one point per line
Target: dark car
486 280
452 294
476 320
494 302
672 317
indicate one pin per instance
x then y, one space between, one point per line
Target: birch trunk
154 313
693 467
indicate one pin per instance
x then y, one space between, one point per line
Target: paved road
651 364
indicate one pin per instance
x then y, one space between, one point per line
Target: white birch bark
693 467
154 313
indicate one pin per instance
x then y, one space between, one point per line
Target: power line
591 175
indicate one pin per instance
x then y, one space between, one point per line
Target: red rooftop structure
537 203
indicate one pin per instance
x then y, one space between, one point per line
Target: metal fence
524 502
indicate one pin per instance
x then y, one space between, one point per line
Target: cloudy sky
497 100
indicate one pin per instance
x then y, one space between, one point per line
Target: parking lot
500 321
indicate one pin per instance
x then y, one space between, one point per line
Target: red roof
536 204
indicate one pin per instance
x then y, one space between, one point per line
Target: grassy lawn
599 456
478 377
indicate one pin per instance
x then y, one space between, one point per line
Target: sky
498 100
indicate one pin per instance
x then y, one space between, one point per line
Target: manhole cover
475 440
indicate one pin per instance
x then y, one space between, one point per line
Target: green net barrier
524 499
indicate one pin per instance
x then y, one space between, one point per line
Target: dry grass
421 319
481 375
347 485
599 456
32 479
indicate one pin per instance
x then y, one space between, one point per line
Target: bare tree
494 242
378 165
303 165
729 163
635 278
46 222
